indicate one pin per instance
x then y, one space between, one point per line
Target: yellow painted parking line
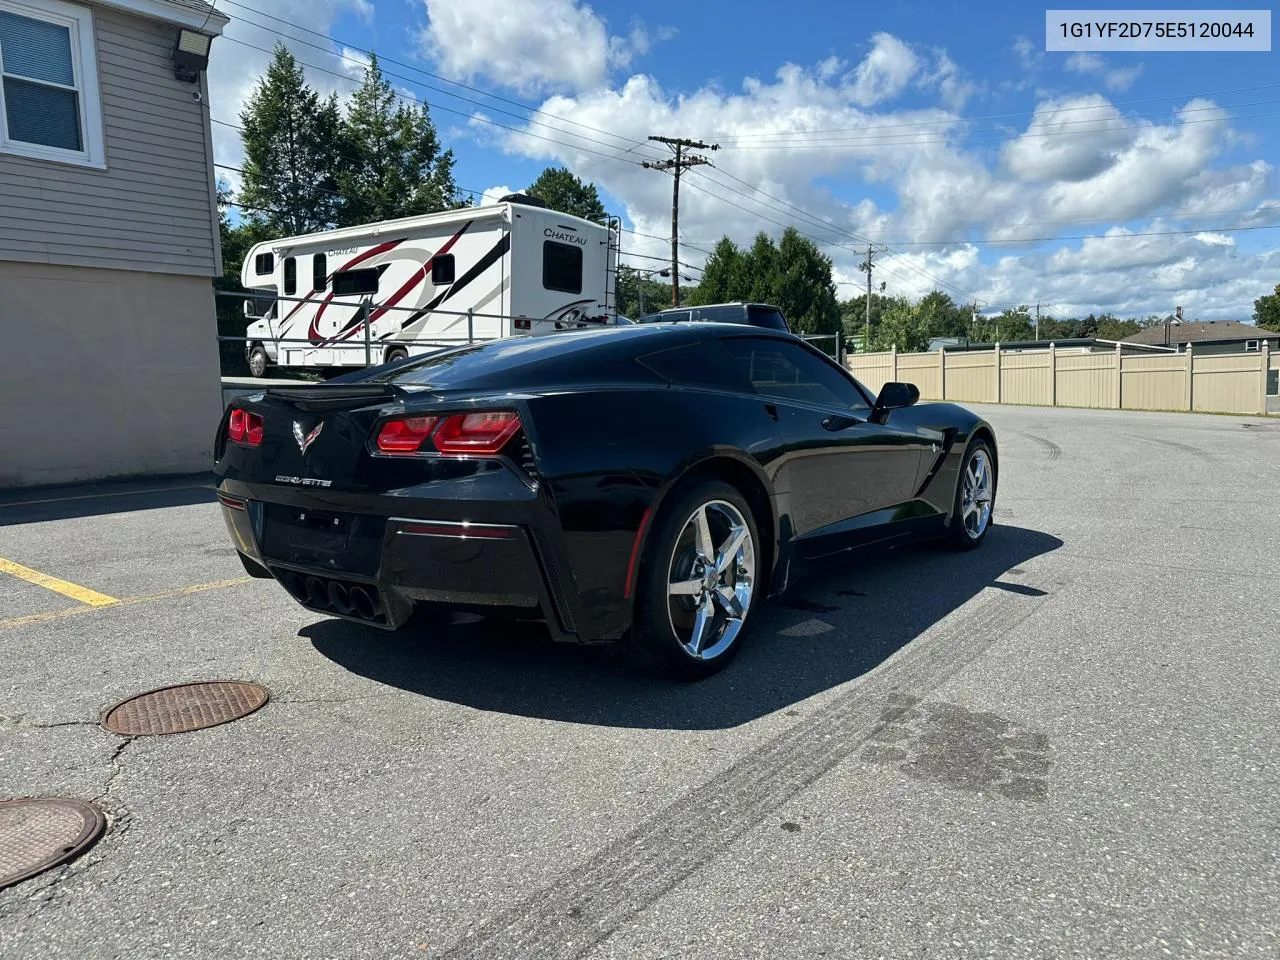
164 595
100 496
73 590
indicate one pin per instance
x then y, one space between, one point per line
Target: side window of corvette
787 371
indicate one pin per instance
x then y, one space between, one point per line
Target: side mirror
893 396
248 310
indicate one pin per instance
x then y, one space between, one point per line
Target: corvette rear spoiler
318 396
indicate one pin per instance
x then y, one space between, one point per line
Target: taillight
477 434
405 436
245 427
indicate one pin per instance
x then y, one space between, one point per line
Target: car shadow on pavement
823 632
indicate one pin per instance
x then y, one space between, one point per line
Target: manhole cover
188 706
38 834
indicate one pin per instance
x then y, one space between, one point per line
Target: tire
691 635
258 361
971 517
395 354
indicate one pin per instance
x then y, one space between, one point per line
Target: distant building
1206 336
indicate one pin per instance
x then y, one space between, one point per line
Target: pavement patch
945 743
183 708
36 835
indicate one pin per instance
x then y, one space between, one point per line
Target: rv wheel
396 353
258 361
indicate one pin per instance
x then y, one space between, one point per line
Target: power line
871 142
1033 114
833 229
1089 236
409 66
405 97
677 165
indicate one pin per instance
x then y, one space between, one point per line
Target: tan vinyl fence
1234 383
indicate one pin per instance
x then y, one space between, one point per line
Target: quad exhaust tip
335 596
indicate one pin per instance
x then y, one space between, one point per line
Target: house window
442 270
319 272
290 276
1252 346
561 267
49 107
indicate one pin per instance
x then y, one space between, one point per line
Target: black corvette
647 484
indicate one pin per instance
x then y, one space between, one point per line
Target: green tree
853 313
1010 325
899 327
392 162
236 239
1266 310
289 172
758 277
1113 328
559 189
722 276
939 316
802 285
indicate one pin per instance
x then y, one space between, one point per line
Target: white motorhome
384 291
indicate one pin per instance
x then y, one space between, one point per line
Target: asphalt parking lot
1061 745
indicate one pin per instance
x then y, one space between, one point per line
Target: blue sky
935 127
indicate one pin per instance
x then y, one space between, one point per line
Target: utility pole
1037 321
866 267
676 164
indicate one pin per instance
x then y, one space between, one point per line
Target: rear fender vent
522 454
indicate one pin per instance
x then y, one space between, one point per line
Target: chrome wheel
711 579
975 500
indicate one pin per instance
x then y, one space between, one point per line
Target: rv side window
290 276
350 283
264 263
319 272
442 269
561 267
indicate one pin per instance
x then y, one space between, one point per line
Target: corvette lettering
303 481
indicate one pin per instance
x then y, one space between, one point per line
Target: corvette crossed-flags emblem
305 440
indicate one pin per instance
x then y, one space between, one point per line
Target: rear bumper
380 564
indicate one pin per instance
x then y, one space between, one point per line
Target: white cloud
530 46
1115 78
1028 53
954 88
1044 181
885 71
1070 139
494 194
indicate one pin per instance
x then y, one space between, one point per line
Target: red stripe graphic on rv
313 334
418 277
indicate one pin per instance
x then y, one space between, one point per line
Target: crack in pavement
48 884
21 723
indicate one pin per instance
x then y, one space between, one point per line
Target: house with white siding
108 240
